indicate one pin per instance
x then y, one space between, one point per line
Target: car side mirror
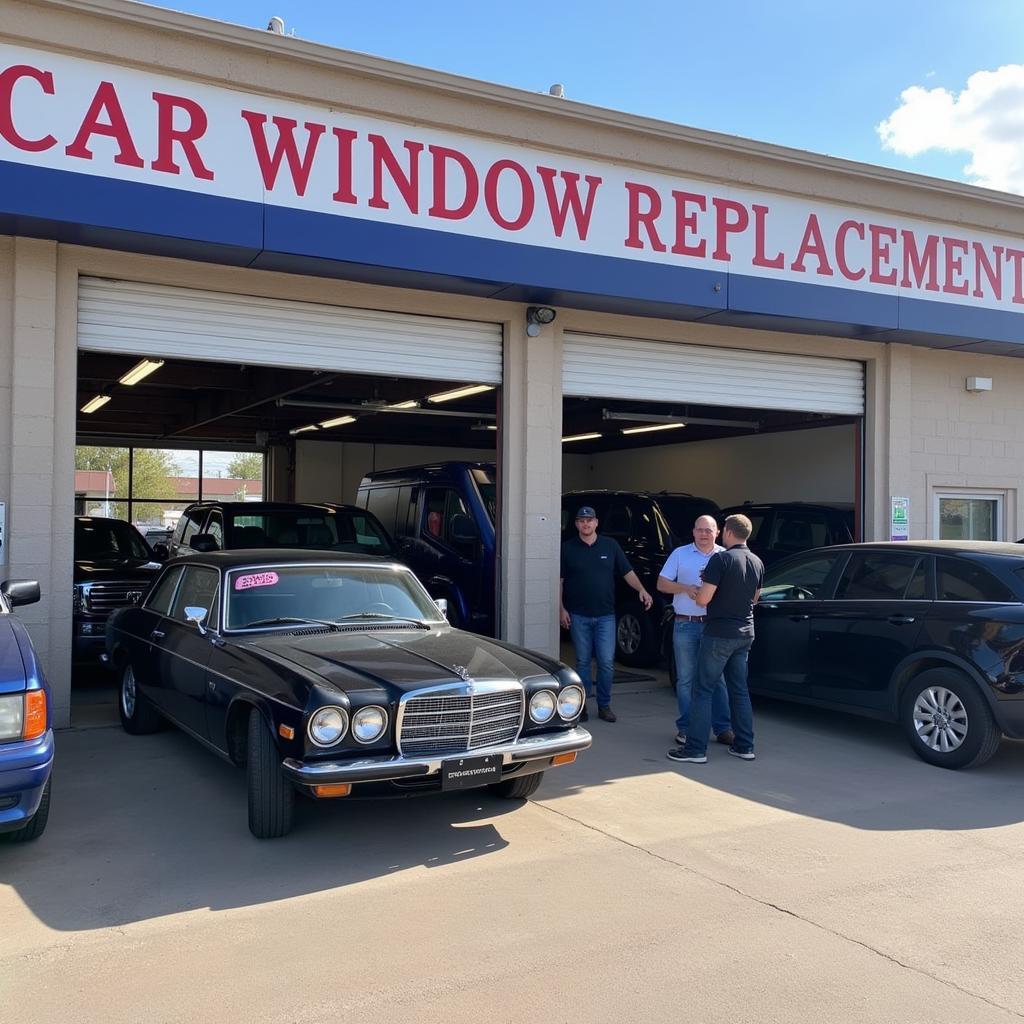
161 552
204 542
463 529
442 605
20 592
197 616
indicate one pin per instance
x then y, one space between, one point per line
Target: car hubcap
629 634
940 719
128 693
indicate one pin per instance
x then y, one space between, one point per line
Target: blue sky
816 76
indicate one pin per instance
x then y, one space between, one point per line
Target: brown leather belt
690 618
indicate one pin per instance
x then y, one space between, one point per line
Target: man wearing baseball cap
590 567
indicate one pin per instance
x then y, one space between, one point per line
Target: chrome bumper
384 769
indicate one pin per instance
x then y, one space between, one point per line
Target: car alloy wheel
940 719
627 634
128 692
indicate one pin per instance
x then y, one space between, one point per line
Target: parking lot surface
835 879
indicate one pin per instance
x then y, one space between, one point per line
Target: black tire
34 827
636 638
138 716
966 724
271 795
519 788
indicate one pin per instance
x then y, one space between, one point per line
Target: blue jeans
718 657
686 644
593 636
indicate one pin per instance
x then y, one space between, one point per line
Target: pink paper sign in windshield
256 579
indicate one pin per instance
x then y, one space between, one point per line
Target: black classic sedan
330 675
927 634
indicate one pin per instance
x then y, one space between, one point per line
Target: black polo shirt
738 574
589 572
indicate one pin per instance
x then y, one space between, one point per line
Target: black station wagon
332 675
929 634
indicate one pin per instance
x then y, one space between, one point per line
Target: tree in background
246 466
151 473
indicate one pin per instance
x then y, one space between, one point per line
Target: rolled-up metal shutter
602 366
188 323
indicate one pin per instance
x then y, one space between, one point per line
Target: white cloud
986 119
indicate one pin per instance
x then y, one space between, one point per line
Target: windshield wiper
384 617
284 619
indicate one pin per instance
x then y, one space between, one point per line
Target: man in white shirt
680 574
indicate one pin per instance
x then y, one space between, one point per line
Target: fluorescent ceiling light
95 403
470 389
140 370
339 422
657 426
411 404
302 430
581 437
484 426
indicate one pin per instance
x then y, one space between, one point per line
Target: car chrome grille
452 723
103 598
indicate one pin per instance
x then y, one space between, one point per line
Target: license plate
466 772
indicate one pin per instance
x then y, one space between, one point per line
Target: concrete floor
836 879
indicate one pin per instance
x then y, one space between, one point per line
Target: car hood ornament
462 672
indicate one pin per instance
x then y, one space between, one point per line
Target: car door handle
157 634
764 604
901 620
799 618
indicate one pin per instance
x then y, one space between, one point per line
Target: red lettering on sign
638 217
760 260
441 156
105 101
844 267
346 138
186 137
955 266
994 274
686 223
527 201
8 80
812 244
285 149
726 225
407 182
882 241
1016 256
559 210
920 263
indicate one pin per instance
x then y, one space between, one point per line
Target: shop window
969 516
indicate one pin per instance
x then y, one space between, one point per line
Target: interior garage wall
798 465
325 471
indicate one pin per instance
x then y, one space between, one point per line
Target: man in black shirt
590 567
730 587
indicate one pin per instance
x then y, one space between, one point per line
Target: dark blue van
442 518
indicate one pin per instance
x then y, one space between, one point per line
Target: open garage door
188 323
653 371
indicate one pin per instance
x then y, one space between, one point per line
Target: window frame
968 494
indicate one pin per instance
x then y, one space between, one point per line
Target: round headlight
327 726
570 701
542 706
368 724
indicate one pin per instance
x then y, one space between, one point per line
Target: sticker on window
256 579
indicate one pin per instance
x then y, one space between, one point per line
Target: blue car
26 739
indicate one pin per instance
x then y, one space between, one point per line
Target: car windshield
319 530
275 595
108 539
488 489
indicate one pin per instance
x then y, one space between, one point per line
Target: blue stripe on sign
87 209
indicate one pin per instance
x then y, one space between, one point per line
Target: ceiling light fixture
655 426
95 403
580 437
340 421
484 426
411 404
140 370
302 430
470 389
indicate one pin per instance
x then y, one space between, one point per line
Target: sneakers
746 755
728 738
679 754
607 715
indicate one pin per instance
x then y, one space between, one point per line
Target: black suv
787 528
230 525
929 634
647 526
113 567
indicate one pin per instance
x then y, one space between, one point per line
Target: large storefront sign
145 153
